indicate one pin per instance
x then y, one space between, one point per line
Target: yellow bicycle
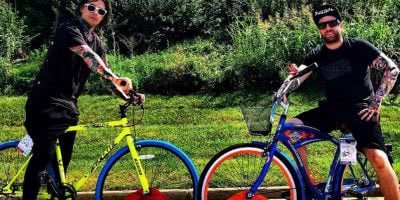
141 166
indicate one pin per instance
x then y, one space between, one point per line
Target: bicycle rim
164 169
11 161
235 169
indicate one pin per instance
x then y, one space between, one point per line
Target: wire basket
257 119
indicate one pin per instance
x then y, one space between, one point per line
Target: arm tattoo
93 61
294 84
288 86
390 73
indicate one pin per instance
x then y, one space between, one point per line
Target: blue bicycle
261 170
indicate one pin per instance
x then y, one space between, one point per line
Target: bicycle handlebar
133 99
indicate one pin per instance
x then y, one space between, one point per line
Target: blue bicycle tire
141 146
11 161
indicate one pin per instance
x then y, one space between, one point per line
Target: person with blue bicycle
52 103
344 67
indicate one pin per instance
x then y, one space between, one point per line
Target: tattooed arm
290 85
93 61
96 64
390 73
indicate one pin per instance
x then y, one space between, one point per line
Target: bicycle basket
257 119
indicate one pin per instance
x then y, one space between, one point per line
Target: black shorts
329 117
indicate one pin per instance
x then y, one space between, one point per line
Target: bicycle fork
268 154
138 165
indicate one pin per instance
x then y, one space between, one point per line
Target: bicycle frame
130 141
295 136
125 133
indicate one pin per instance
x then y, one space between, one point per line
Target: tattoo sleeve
93 61
288 86
390 73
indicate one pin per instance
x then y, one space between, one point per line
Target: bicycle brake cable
133 118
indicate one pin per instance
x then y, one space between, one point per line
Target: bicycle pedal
355 194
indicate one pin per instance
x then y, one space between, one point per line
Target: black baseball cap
325 10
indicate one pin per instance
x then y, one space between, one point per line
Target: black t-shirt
345 72
63 74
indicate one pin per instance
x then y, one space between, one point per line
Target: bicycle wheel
358 179
231 172
166 167
11 161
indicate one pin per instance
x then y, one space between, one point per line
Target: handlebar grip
309 68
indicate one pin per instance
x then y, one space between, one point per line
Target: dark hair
106 18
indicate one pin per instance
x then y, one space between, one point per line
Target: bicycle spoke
232 172
164 171
11 161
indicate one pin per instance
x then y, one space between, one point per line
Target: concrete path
174 194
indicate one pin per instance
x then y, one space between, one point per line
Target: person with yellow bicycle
52 103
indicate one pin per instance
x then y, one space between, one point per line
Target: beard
335 37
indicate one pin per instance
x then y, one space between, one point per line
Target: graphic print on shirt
335 69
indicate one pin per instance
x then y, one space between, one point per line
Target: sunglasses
331 24
93 8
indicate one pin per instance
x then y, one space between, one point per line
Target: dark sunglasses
93 8
332 23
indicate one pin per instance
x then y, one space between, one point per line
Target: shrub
183 69
263 50
255 57
154 24
21 76
12 30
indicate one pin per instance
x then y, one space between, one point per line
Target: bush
12 30
21 76
183 69
256 58
263 50
145 25
154 24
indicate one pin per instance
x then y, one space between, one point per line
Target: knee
295 121
378 159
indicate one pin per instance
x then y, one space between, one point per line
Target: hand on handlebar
137 98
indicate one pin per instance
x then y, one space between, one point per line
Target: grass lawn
200 125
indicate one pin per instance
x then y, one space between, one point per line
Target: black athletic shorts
48 117
327 117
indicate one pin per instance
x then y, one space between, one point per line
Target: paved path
178 195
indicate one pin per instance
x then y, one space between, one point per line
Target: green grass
200 125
